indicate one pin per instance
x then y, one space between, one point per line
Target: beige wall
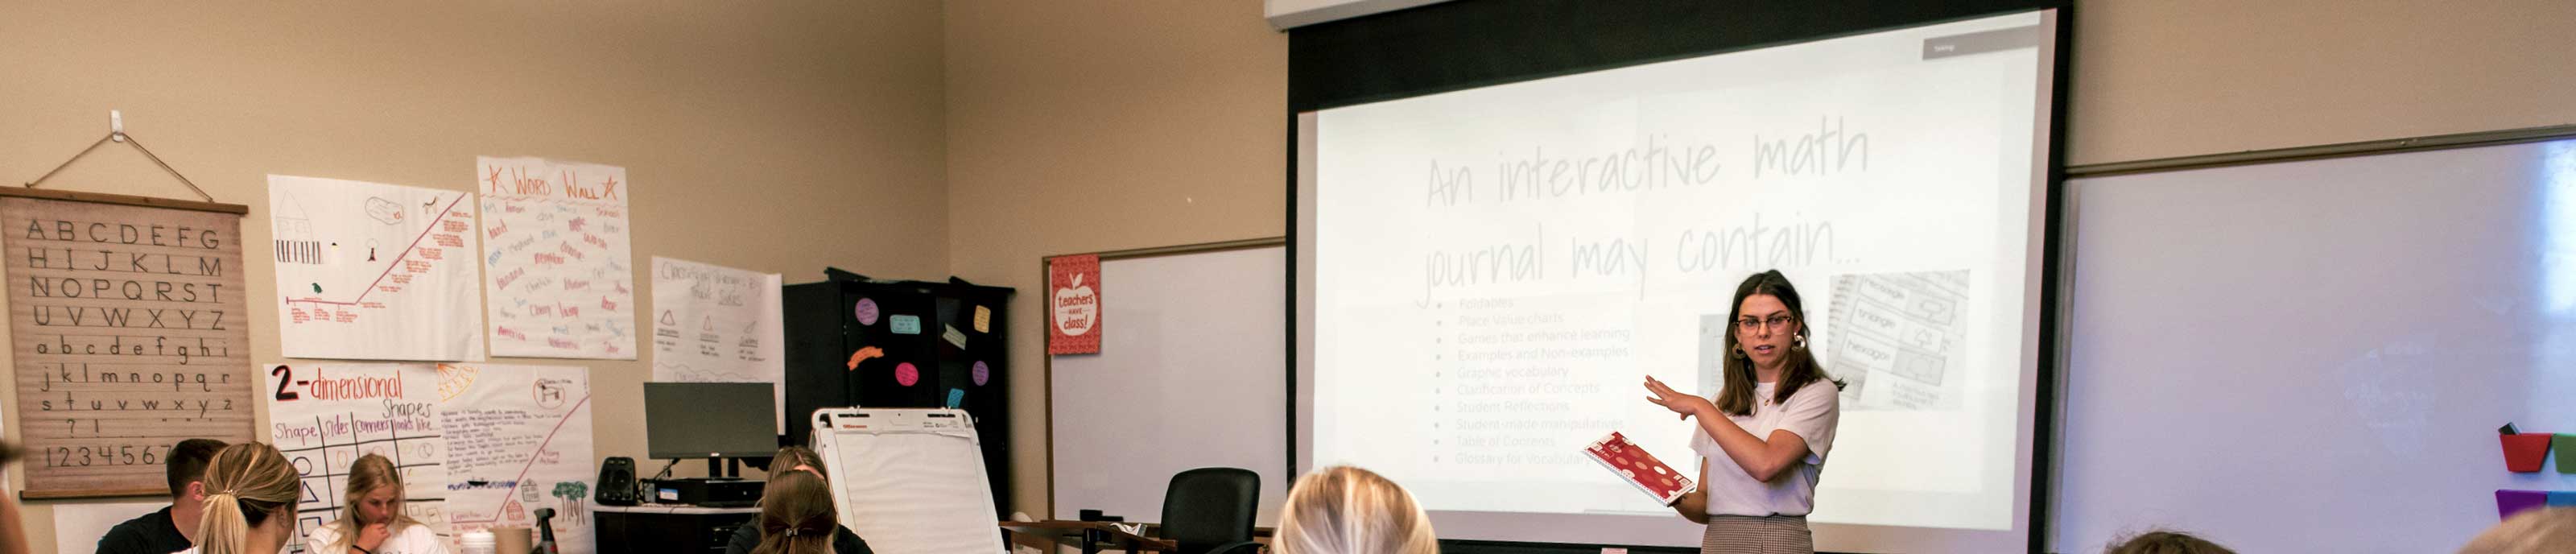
1087 126
781 138
2165 78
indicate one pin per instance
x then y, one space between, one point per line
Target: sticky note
953 336
983 319
866 311
905 324
2524 452
2510 502
865 353
956 397
2565 443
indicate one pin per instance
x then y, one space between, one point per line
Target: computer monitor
710 420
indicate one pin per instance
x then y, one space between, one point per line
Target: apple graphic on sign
1076 308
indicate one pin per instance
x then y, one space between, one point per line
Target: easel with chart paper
910 480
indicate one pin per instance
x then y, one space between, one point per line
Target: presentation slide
1494 271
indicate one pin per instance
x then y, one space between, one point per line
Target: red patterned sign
1073 305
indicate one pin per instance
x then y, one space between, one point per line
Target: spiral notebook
1640 468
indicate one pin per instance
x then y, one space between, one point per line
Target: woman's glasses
1776 322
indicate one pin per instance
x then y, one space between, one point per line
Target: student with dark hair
173 528
250 502
2165 542
1763 439
799 461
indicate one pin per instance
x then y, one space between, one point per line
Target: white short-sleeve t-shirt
1811 413
410 539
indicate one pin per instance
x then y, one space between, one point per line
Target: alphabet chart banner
375 272
560 277
126 326
518 439
714 324
325 415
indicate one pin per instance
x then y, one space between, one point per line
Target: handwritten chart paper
325 415
126 326
518 439
715 324
375 272
559 277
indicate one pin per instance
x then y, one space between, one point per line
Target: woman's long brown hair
1798 370
796 515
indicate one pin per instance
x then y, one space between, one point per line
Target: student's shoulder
845 541
134 535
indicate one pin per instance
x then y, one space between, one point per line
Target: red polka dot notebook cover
1640 468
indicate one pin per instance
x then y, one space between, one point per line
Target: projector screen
1485 276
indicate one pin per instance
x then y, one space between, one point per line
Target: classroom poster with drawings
324 416
375 272
559 278
518 440
715 324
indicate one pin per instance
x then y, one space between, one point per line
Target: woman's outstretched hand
1679 402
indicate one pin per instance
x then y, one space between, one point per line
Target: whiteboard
2314 356
1192 373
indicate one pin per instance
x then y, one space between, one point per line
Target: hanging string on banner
116 133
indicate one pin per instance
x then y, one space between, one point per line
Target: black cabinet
854 341
666 528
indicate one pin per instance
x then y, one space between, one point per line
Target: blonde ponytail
223 527
248 485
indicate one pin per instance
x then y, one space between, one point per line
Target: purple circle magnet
905 375
982 373
867 311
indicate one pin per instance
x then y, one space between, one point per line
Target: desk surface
671 509
1070 533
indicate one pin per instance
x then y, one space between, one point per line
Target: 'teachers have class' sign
1073 304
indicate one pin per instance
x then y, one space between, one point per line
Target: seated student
168 529
374 522
13 533
250 502
2541 531
1348 510
2165 542
173 528
796 517
795 460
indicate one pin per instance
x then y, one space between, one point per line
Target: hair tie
791 532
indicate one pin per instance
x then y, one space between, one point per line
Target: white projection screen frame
1546 295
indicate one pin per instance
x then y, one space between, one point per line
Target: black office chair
1209 511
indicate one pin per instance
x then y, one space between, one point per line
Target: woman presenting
1763 440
